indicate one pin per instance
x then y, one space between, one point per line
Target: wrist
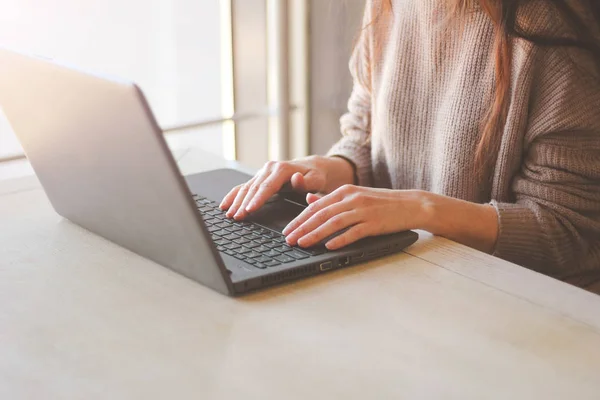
339 171
428 211
475 225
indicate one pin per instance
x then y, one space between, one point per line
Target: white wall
171 48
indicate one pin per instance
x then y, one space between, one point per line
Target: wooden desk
81 318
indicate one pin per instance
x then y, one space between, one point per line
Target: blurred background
250 80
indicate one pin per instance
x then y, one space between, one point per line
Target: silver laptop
104 164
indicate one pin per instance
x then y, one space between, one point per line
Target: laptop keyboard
250 242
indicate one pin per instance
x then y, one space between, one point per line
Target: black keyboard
250 242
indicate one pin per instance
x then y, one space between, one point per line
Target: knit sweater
414 121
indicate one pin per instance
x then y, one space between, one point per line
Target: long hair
503 15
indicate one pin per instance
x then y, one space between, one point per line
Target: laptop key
220 233
238 255
231 237
253 254
262 249
283 248
284 258
252 245
266 233
272 253
297 255
241 240
244 250
315 251
260 265
263 259
272 263
212 229
221 242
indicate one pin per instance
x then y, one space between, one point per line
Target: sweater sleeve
355 144
554 224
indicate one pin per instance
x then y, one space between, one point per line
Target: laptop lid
104 164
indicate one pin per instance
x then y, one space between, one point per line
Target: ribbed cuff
359 155
518 233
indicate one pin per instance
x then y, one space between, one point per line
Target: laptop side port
326 266
344 261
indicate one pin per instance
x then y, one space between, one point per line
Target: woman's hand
368 212
364 211
310 174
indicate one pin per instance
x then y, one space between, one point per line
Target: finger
252 191
313 208
313 181
237 202
334 224
229 197
352 235
311 198
319 218
268 188
298 182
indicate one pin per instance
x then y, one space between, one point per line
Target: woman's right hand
311 174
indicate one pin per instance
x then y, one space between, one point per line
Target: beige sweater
414 122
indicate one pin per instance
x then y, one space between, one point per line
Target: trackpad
276 214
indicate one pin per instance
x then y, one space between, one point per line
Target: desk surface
82 318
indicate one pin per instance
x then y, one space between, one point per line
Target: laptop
104 165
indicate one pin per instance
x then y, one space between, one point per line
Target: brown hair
503 14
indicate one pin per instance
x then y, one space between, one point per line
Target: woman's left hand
364 211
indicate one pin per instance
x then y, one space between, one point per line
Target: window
212 70
170 48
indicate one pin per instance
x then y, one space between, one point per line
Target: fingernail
292 236
251 206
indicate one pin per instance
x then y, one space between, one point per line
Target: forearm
474 225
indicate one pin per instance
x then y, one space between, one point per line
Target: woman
476 120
